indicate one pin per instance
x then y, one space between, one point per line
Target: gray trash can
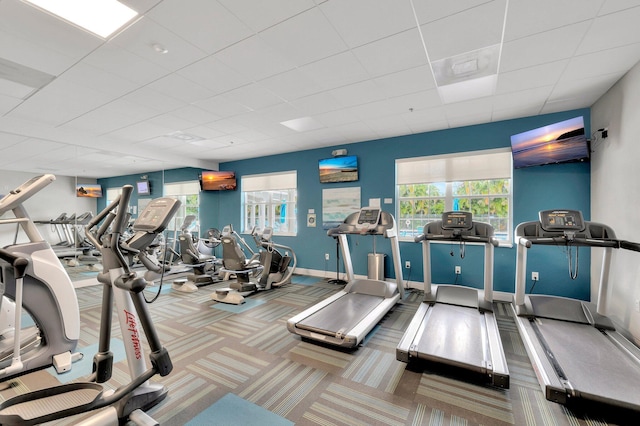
375 266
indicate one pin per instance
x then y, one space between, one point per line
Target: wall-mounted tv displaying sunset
218 181
560 142
88 190
339 169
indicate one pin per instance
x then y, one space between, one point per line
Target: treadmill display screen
457 220
368 218
561 220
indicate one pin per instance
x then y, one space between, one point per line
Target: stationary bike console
561 220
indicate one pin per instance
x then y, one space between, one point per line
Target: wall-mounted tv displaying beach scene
88 190
218 181
339 169
561 142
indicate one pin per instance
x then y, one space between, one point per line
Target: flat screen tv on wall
561 142
143 187
88 190
338 169
218 181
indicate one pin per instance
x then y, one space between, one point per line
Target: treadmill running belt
454 335
341 315
593 364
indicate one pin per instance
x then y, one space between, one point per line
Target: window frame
448 186
264 213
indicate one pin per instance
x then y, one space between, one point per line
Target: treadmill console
457 220
561 220
368 218
157 215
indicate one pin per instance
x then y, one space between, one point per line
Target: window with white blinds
478 181
270 200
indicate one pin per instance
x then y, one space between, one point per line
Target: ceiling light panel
101 17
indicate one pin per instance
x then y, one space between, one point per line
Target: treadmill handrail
465 238
629 245
575 241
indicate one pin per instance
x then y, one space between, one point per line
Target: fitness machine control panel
457 220
561 220
157 215
368 218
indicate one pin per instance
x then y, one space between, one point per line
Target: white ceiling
357 70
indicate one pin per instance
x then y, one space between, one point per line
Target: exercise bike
123 287
46 294
268 267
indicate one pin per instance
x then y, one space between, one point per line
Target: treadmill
455 325
345 318
575 350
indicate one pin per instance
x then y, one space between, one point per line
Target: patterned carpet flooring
247 352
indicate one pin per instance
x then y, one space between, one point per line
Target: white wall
58 197
615 193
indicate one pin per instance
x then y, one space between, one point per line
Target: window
270 200
189 195
479 182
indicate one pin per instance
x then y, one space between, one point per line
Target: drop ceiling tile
9 139
140 38
314 38
211 29
43 29
98 80
465 31
613 30
33 55
407 81
529 98
178 87
531 77
611 6
260 15
592 87
7 103
518 112
355 132
316 104
114 59
110 117
528 18
153 99
358 93
550 46
59 102
362 21
255 58
433 10
337 118
195 114
204 132
466 108
214 75
392 54
619 59
336 71
291 85
254 96
222 106
386 127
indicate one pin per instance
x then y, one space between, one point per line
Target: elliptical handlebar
19 263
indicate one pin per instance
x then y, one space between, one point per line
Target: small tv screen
88 190
143 187
560 142
218 181
339 169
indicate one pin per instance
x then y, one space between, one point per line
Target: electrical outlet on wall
326 256
407 264
458 270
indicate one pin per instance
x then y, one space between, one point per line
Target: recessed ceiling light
101 17
303 124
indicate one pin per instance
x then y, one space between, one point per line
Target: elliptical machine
124 287
46 293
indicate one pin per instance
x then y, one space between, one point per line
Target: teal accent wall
537 188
